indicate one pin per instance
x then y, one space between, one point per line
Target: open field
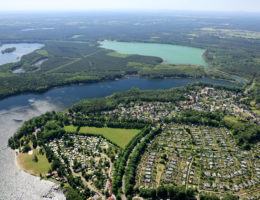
71 128
121 137
119 55
233 33
25 161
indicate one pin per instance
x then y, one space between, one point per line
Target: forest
90 113
71 47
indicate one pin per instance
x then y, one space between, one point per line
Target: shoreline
16 160
53 190
19 166
84 83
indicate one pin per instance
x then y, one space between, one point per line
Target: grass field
121 137
26 162
119 55
70 128
231 119
42 52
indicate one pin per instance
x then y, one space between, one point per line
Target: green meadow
119 136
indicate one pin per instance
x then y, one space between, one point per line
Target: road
250 87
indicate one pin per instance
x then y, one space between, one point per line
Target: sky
194 5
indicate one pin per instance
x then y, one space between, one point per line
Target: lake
173 54
16 184
21 50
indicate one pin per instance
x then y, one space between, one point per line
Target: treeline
8 50
200 118
168 71
133 95
230 53
39 130
171 192
127 124
28 128
121 163
212 196
245 134
130 171
68 63
136 95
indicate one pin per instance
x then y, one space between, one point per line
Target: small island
8 50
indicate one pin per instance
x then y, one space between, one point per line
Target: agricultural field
225 33
201 157
121 137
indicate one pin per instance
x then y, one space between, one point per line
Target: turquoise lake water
173 54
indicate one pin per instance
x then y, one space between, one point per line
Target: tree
35 158
72 194
230 197
26 148
55 164
208 197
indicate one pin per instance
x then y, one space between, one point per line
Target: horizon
251 6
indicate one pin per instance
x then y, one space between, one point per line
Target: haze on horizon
74 5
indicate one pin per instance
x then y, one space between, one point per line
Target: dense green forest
89 113
245 134
231 43
67 63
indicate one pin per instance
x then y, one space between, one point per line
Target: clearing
119 136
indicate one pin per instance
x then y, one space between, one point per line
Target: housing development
144 149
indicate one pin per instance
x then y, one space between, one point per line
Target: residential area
200 157
88 158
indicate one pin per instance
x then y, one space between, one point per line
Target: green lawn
42 52
26 162
121 137
70 128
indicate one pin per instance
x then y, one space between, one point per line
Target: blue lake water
16 184
67 96
21 50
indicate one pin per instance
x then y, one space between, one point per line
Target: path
188 173
74 61
110 170
250 87
88 184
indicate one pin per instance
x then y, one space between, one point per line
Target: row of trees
197 117
121 163
172 192
245 134
133 161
